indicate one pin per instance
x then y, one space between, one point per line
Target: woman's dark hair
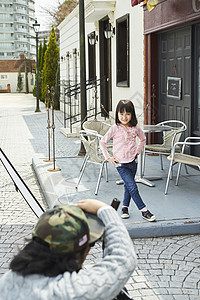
36 258
126 105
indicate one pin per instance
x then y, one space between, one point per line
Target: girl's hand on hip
113 161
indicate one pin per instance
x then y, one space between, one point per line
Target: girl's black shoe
125 214
148 216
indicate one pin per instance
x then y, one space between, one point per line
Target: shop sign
174 88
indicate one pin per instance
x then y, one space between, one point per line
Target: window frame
119 41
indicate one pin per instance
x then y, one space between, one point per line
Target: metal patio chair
96 126
169 139
94 155
182 158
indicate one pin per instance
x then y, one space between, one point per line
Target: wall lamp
109 31
92 38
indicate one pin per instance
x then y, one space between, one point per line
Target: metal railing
72 100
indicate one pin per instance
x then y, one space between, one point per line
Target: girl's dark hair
128 106
36 258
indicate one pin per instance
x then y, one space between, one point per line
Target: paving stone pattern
168 268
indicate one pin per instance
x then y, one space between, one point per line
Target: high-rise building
16 29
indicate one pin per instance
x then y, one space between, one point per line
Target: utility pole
82 67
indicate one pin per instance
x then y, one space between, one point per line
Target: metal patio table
139 177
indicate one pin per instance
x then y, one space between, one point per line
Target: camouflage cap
67 229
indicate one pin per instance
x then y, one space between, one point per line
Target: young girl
125 152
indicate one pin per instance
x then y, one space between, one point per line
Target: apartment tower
16 29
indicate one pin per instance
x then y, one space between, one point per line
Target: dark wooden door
175 61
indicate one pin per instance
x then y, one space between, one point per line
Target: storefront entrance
175 73
179 77
172 63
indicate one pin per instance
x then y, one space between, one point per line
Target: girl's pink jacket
125 147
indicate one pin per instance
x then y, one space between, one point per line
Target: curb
164 228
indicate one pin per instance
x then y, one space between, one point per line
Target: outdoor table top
156 128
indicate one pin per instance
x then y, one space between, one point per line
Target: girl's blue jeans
127 172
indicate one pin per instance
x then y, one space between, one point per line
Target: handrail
73 103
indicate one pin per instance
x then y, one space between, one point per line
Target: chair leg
143 162
168 177
171 173
82 171
178 173
106 167
161 162
84 161
99 178
186 169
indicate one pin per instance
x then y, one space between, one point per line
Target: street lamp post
36 27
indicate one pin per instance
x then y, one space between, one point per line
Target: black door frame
195 76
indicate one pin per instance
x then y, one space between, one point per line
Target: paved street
168 268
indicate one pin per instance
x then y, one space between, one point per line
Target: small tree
19 82
44 48
41 53
57 90
41 66
50 64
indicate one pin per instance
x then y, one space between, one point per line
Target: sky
43 18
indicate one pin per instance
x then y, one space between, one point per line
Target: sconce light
67 54
109 31
93 38
61 58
